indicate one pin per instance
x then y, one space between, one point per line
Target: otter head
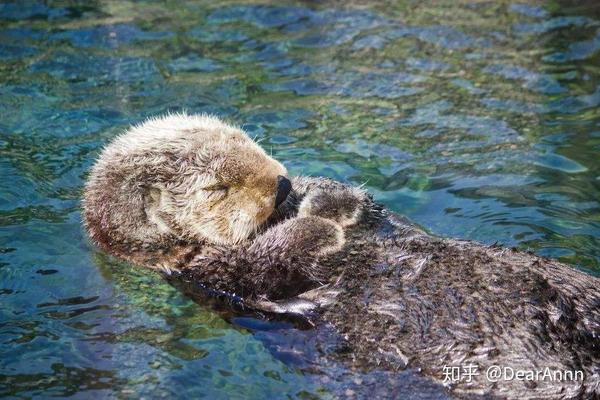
181 178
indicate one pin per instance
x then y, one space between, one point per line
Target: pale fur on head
179 177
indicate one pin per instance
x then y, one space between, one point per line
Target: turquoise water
477 120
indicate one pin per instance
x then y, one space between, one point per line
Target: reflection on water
477 120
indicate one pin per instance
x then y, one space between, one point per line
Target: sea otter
197 199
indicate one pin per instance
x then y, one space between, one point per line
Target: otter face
236 192
182 177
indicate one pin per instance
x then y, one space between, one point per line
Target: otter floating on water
198 200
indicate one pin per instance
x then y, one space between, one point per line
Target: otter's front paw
342 205
301 238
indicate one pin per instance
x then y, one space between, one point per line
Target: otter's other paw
342 205
301 238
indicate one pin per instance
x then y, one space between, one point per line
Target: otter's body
401 298
197 199
437 305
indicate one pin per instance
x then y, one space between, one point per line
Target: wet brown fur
399 296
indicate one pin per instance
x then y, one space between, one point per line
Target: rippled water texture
478 120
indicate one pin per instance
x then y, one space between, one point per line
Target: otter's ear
156 200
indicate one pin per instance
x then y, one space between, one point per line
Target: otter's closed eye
216 187
216 192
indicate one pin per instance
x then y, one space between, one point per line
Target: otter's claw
296 306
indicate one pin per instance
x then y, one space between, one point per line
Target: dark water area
475 119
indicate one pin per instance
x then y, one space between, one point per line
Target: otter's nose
284 186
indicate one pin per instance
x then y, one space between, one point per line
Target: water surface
477 120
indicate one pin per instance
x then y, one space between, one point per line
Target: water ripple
476 120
